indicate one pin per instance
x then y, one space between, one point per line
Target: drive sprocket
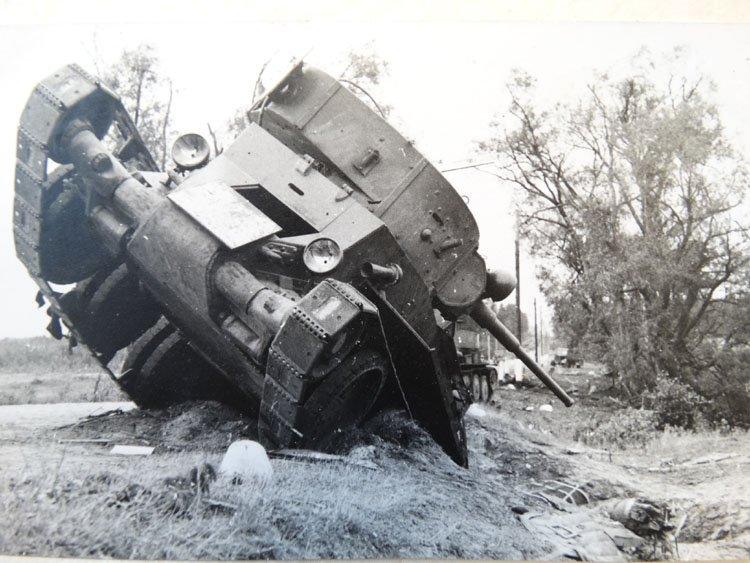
326 368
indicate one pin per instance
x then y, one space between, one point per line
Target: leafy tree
630 200
147 96
363 73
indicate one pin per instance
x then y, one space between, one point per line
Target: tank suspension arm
485 318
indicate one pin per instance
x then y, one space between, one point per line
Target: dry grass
600 421
418 504
677 445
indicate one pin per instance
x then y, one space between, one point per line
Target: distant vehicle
566 358
479 376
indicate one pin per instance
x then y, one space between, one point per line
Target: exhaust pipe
381 275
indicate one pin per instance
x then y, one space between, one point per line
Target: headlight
190 151
322 255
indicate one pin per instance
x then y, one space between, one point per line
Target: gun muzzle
485 318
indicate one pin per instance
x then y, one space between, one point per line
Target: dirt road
30 418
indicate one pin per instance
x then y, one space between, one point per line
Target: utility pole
536 342
541 332
518 288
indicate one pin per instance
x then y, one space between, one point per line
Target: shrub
674 404
727 386
625 428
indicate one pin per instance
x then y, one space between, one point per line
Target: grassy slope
63 497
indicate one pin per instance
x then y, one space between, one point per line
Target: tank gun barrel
485 318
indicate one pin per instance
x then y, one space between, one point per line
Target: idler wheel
345 398
162 369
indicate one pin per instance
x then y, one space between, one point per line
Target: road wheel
162 369
110 310
476 388
484 388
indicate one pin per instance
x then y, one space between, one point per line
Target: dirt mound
391 433
192 426
412 501
205 426
408 500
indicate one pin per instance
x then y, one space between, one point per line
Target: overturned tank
296 275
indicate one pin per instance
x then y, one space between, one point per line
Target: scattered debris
643 517
198 478
649 520
85 441
553 491
245 459
546 408
715 521
510 386
529 408
120 449
310 456
580 535
710 458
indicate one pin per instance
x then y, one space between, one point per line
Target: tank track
69 93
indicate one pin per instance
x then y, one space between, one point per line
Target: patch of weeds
625 428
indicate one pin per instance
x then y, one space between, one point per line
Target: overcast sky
446 82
